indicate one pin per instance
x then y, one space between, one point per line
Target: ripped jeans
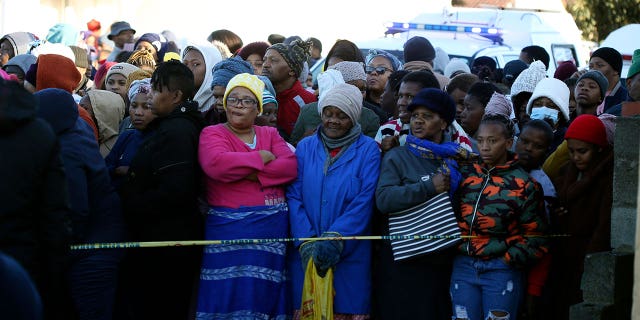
481 286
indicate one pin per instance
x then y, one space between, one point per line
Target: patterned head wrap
139 86
395 63
295 54
350 70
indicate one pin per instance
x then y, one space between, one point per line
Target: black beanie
437 101
418 49
611 56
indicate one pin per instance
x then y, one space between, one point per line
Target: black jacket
34 210
160 195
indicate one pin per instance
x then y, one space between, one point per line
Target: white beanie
554 89
529 78
345 97
456 65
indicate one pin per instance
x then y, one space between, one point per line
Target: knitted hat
513 69
554 89
611 56
345 97
456 66
154 39
267 97
395 63
102 71
295 54
249 81
437 101
499 104
588 128
598 77
259 48
418 49
350 70
485 61
82 58
529 78
635 64
118 27
23 61
564 70
56 71
224 70
19 41
122 68
63 33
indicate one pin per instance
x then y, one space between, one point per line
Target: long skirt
244 281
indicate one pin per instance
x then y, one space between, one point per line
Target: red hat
588 128
56 71
94 25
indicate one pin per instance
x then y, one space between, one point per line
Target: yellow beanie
249 81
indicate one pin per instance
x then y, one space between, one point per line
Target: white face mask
540 113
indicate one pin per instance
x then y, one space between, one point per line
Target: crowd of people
222 140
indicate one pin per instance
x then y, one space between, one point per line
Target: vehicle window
563 52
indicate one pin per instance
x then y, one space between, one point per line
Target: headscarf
224 70
63 33
499 104
23 61
249 81
211 56
295 54
139 86
19 41
395 63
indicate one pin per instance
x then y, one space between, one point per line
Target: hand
389 143
306 250
266 156
121 170
327 253
252 177
442 182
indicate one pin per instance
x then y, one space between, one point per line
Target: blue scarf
447 152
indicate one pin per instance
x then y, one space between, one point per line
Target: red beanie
56 71
588 128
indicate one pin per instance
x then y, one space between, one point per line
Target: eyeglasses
378 70
246 103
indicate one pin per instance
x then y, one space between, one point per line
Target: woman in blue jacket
338 169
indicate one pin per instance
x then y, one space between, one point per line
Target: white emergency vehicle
500 33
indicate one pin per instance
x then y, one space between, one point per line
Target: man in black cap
418 56
511 71
530 54
121 33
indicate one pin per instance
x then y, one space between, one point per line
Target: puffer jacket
502 209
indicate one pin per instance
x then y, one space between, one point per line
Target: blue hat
224 70
437 101
118 27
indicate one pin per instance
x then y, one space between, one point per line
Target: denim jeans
480 286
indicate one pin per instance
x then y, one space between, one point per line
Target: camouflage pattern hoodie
503 209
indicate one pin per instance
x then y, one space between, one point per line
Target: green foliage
597 18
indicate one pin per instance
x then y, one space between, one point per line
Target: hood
56 71
58 108
22 61
20 41
211 55
108 108
16 103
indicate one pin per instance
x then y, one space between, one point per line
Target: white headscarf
211 55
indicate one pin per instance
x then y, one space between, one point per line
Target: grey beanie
598 77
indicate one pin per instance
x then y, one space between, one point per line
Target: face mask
541 113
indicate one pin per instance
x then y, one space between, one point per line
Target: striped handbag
432 223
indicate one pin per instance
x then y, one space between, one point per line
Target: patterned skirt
244 281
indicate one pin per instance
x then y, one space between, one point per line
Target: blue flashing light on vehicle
491 33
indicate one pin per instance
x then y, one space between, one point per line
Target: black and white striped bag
432 223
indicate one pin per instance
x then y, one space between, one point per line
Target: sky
327 20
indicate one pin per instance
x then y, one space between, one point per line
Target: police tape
186 243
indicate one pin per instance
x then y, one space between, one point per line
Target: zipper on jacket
171 165
475 208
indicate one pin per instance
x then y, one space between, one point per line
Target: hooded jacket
211 56
108 108
501 206
56 71
160 194
20 41
96 212
34 211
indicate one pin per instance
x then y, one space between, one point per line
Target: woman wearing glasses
379 65
246 168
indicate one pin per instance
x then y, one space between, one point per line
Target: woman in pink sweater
247 168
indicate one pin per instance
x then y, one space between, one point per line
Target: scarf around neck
447 152
342 142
